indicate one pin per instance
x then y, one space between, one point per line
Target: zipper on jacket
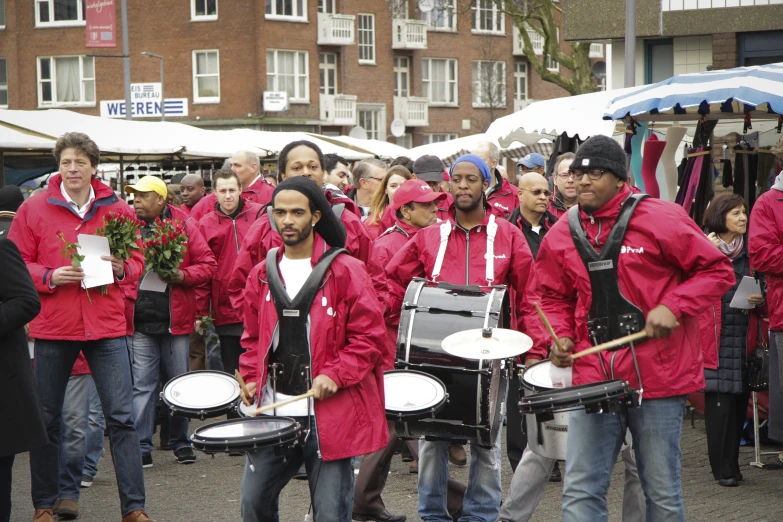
236 236
598 234
715 329
467 258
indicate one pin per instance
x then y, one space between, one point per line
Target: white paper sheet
152 283
747 287
97 272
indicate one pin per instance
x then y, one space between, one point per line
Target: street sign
275 101
148 108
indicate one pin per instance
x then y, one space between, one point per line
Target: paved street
209 489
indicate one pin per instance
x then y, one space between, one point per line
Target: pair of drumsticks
268 407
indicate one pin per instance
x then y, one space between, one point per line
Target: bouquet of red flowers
165 249
123 232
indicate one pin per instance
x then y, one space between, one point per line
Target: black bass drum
476 388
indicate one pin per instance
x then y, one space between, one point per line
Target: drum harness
611 315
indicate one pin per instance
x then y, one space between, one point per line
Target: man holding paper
72 321
164 315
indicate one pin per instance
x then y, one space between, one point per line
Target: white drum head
409 392
201 390
538 375
245 410
238 430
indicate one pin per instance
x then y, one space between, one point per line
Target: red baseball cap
415 191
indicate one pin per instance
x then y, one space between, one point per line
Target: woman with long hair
382 199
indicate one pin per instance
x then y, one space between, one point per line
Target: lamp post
162 98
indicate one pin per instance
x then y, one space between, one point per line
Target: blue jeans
73 435
594 440
110 366
212 347
95 428
266 474
157 358
483 496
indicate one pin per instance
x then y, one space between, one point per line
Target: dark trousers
6 466
516 438
724 417
230 350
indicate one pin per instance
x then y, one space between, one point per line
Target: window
366 38
487 17
489 84
287 71
2 14
327 6
399 9
3 82
439 77
287 9
372 117
66 81
443 16
520 81
402 75
536 40
327 64
203 10
405 141
206 77
552 64
59 12
439 138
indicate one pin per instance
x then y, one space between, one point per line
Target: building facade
443 73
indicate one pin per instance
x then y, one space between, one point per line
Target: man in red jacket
501 195
71 321
650 268
255 187
164 319
564 184
192 189
464 262
310 307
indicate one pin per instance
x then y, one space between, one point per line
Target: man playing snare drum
311 315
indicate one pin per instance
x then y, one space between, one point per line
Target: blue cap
472 158
532 160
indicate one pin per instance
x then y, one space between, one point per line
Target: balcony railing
335 29
596 50
519 44
414 112
338 109
409 34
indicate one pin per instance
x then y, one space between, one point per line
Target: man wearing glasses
367 176
564 185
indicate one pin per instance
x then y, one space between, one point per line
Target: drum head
244 409
257 428
411 392
201 391
536 376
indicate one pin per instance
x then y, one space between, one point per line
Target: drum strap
445 232
293 349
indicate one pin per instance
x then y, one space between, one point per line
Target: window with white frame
487 17
59 12
203 10
489 83
327 6
287 9
287 71
66 81
366 38
372 117
520 81
443 16
405 141
552 64
439 78
439 137
3 83
206 76
402 75
327 65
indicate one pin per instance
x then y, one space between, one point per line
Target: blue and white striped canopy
717 93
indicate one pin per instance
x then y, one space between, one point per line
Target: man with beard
310 307
192 190
565 186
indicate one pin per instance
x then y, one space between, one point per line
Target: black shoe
380 516
146 461
729 482
556 476
301 473
185 455
740 478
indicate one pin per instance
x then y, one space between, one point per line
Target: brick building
342 63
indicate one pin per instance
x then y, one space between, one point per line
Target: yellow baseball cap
148 184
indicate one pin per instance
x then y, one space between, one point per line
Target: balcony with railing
409 34
414 112
596 50
519 44
338 109
335 29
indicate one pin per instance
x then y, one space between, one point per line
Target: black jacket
533 239
152 315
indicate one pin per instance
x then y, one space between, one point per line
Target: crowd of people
306 271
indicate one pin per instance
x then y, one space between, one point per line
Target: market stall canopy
14 139
729 93
448 151
380 149
276 141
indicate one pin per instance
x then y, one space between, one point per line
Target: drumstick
241 382
549 327
281 403
638 336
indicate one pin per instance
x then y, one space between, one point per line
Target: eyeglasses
376 179
538 192
593 175
567 174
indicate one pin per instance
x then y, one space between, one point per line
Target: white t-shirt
537 229
295 273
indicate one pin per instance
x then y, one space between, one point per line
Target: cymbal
502 344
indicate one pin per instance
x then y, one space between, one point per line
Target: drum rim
289 432
536 387
574 397
435 407
202 409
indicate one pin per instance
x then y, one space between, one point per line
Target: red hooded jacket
260 192
504 200
765 247
667 260
224 236
346 325
66 311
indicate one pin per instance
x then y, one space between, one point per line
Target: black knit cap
10 198
329 226
601 152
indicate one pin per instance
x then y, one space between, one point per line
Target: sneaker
185 455
86 481
556 476
146 461
66 509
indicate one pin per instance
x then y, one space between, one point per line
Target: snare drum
237 435
412 395
476 388
201 394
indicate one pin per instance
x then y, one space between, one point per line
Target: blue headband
472 158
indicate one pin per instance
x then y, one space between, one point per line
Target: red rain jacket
260 192
66 311
667 260
504 200
346 325
765 248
